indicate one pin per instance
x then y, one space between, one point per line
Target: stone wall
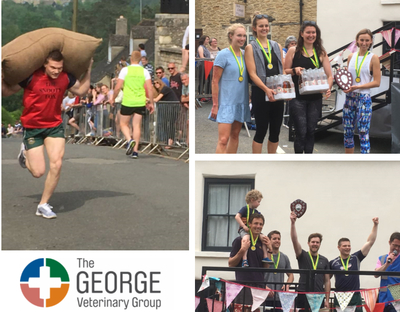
216 16
170 29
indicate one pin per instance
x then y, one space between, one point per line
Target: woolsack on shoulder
27 53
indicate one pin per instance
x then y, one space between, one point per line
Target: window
223 198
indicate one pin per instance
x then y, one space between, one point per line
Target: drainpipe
301 12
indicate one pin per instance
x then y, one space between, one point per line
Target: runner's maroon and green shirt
42 99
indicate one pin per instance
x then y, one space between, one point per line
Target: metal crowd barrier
164 132
171 128
203 84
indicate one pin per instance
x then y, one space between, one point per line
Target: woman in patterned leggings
357 109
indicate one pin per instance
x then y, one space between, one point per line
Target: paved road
325 142
104 200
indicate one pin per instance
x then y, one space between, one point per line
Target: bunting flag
315 301
352 47
259 296
379 307
395 291
214 305
387 35
348 309
396 305
208 65
370 296
196 301
287 300
344 298
205 284
232 291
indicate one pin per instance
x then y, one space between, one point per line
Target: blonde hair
252 196
160 82
231 30
135 57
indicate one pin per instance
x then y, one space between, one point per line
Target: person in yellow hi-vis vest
136 82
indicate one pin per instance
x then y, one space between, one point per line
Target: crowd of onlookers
172 89
11 130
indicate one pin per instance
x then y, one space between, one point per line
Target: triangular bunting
396 305
259 296
214 305
343 298
370 296
196 302
348 309
208 65
352 47
396 36
395 291
232 291
387 35
205 284
287 300
379 307
315 301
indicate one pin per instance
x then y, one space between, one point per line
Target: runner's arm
7 90
81 87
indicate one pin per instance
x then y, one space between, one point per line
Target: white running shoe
21 156
45 211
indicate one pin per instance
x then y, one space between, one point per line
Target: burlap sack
27 53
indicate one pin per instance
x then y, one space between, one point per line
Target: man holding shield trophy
309 260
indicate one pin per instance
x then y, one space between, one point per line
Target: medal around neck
299 207
344 79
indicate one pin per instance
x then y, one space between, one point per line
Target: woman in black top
167 114
164 93
307 109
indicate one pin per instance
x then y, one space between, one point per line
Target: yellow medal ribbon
240 65
315 61
248 214
314 264
345 267
253 242
358 69
268 56
277 261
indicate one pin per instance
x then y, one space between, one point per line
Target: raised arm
81 87
293 235
371 238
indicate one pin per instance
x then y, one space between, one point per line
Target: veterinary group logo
44 282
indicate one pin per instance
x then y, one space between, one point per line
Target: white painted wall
342 199
341 20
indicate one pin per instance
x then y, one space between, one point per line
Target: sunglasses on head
309 22
259 16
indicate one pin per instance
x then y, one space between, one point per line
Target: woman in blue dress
230 91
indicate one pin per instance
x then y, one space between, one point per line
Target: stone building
214 17
170 29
